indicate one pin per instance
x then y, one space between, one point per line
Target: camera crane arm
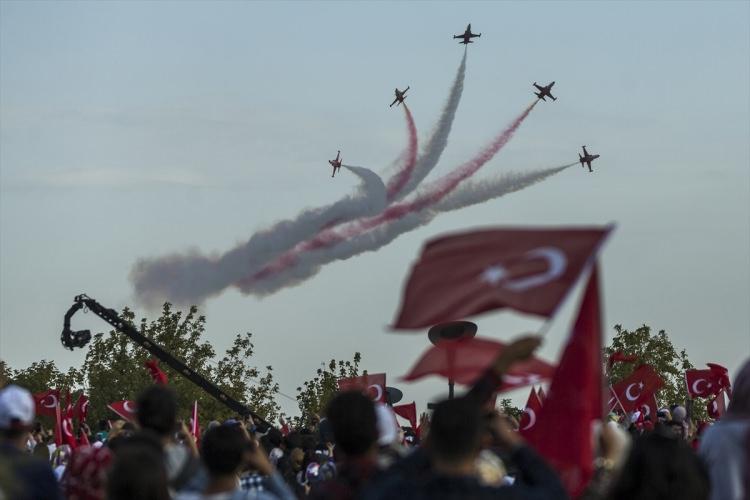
71 339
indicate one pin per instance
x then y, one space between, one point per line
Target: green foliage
507 407
659 352
115 367
315 394
42 375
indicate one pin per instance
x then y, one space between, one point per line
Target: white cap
16 407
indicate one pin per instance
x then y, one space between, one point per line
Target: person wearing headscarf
724 446
85 476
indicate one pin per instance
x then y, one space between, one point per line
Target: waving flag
562 433
528 270
372 384
159 377
125 409
620 357
409 412
705 383
530 412
638 388
717 406
81 408
47 402
465 360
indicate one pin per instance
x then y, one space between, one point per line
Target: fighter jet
336 164
544 92
467 35
400 96
586 158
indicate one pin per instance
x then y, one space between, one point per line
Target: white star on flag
493 275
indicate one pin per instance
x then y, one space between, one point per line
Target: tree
315 394
114 367
506 405
659 352
43 375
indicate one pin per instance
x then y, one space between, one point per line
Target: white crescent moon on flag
53 399
646 410
379 392
532 418
627 392
66 427
128 407
85 406
557 262
695 386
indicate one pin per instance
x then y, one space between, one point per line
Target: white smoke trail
190 278
310 263
437 142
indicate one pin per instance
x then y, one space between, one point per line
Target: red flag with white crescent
717 406
638 388
46 402
705 383
81 408
125 409
529 270
563 429
66 425
530 413
372 384
648 408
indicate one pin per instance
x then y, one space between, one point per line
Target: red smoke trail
440 189
399 180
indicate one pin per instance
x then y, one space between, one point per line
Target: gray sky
137 129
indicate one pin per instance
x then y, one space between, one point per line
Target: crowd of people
465 449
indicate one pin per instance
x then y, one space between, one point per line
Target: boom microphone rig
71 339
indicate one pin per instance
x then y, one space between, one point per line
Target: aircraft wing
538 87
394 102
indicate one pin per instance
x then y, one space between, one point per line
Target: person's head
223 450
354 423
297 459
157 410
739 406
138 469
41 450
16 414
660 466
455 431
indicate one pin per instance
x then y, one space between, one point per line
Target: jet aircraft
400 96
467 35
544 91
336 164
586 158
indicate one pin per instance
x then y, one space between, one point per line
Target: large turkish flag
529 270
563 429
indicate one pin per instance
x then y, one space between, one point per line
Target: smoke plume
310 263
192 277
